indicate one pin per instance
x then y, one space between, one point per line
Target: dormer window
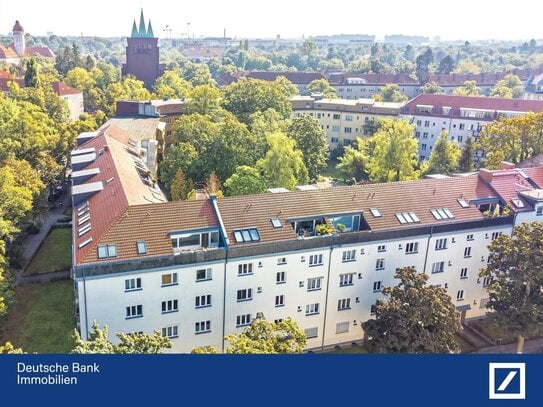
194 240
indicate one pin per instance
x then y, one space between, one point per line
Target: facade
72 96
534 88
199 270
143 54
16 51
356 86
460 116
344 120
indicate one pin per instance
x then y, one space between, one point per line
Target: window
348 118
279 300
245 294
419 122
460 295
495 235
203 274
334 139
423 147
467 251
170 332
441 244
427 123
342 327
203 301
380 264
315 260
335 129
246 235
486 281
343 304
461 126
346 142
134 311
280 277
314 284
312 309
142 247
438 267
407 217
417 134
245 269
278 320
169 279
194 240
107 250
202 327
464 273
281 260
412 247
311 332
377 286
243 320
276 223
539 210
345 279
349 255
463 203
375 212
169 306
132 284
442 213
373 309
336 116
425 135
469 237
381 248
348 130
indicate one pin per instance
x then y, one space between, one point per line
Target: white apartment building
199 270
362 86
344 120
460 116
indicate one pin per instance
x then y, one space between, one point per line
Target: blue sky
457 19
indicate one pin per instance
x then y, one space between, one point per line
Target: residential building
73 98
534 88
143 54
356 86
15 52
344 120
300 79
199 270
460 116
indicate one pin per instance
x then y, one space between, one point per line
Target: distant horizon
466 21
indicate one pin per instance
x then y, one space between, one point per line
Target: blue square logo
507 381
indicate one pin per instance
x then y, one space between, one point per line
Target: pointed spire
134 30
150 30
142 31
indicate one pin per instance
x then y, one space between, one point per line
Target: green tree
204 100
180 187
354 162
244 181
283 165
32 73
394 156
128 343
414 318
509 87
310 139
466 161
178 157
321 86
444 157
432 88
446 65
515 268
470 88
8 348
171 86
423 62
390 93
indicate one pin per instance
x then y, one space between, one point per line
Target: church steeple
134 30
142 30
150 30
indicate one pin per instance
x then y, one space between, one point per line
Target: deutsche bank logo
507 381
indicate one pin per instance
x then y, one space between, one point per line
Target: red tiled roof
373 79
43 51
62 89
6 75
508 184
297 78
7 52
469 102
4 82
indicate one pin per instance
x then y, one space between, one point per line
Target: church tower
19 39
143 54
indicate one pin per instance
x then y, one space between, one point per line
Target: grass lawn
488 327
465 346
348 349
54 254
41 320
67 211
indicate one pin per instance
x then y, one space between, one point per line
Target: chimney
506 165
485 174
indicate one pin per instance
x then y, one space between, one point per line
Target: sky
450 20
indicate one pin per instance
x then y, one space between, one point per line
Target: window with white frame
343 304
312 309
141 247
487 281
539 210
202 301
169 306
335 129
348 255
170 332
441 244
381 248
464 273
245 295
134 311
280 277
467 251
345 279
107 250
315 260
202 327
373 309
169 279
412 247
280 300
342 327
469 237
495 235
377 286
243 320
460 295
132 284
348 118
281 261
380 264
245 269
203 274
336 116
438 267
311 332
314 284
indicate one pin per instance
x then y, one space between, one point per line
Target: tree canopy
444 157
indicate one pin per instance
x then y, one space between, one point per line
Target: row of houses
198 270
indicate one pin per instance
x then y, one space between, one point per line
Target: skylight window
375 212
442 213
107 250
517 202
276 223
463 203
407 217
85 243
142 247
247 235
84 230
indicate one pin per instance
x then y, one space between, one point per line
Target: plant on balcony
340 227
324 229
